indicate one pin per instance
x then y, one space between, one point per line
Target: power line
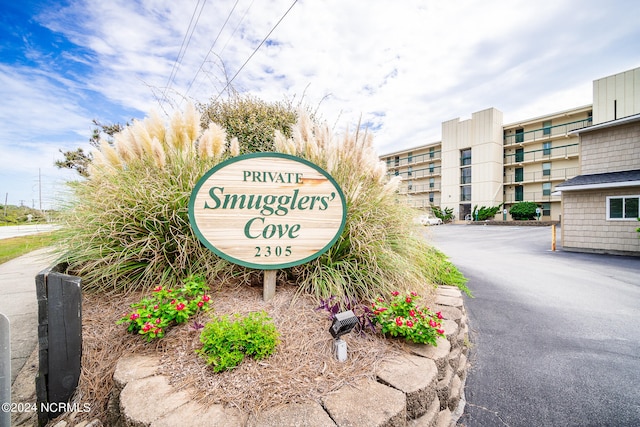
183 47
211 48
256 49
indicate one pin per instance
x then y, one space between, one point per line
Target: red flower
439 314
382 309
146 327
149 316
408 300
157 289
206 298
399 321
180 307
440 331
395 293
412 313
432 323
134 316
157 320
414 294
200 304
155 307
173 301
409 323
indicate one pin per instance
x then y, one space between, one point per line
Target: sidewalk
18 302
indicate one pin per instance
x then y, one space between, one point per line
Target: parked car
429 220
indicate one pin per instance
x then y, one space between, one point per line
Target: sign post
267 211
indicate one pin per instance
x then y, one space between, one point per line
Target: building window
546 148
431 198
431 152
623 207
410 185
396 173
410 157
396 160
465 157
465 175
546 127
410 171
519 193
546 169
431 167
465 193
520 155
546 209
546 188
432 182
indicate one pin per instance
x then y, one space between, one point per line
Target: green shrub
485 213
445 215
523 211
225 342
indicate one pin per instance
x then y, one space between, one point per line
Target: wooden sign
267 210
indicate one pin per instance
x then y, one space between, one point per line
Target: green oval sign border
205 177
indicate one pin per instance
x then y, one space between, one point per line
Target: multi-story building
483 162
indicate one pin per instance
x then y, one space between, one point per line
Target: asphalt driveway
556 334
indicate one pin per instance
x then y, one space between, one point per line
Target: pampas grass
128 225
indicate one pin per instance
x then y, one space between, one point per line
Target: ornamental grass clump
380 249
127 225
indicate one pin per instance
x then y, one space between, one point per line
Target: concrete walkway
18 302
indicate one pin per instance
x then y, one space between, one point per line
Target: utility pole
40 188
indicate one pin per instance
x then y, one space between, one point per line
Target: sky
399 67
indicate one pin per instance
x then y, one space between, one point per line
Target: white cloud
401 67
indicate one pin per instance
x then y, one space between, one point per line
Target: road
555 335
9 231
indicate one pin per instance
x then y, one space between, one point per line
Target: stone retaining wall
422 388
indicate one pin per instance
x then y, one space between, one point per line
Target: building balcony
546 133
423 202
542 155
420 188
413 160
541 176
530 196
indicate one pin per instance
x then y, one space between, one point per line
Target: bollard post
553 237
5 371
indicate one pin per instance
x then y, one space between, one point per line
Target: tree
523 211
78 159
251 120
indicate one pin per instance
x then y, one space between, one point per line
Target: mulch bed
302 369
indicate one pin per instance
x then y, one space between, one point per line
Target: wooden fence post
60 340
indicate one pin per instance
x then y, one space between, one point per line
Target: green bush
523 211
485 213
225 343
445 215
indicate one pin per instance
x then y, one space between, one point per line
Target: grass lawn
16 246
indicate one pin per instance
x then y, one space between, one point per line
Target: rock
416 377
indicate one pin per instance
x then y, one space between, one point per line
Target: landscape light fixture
342 324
